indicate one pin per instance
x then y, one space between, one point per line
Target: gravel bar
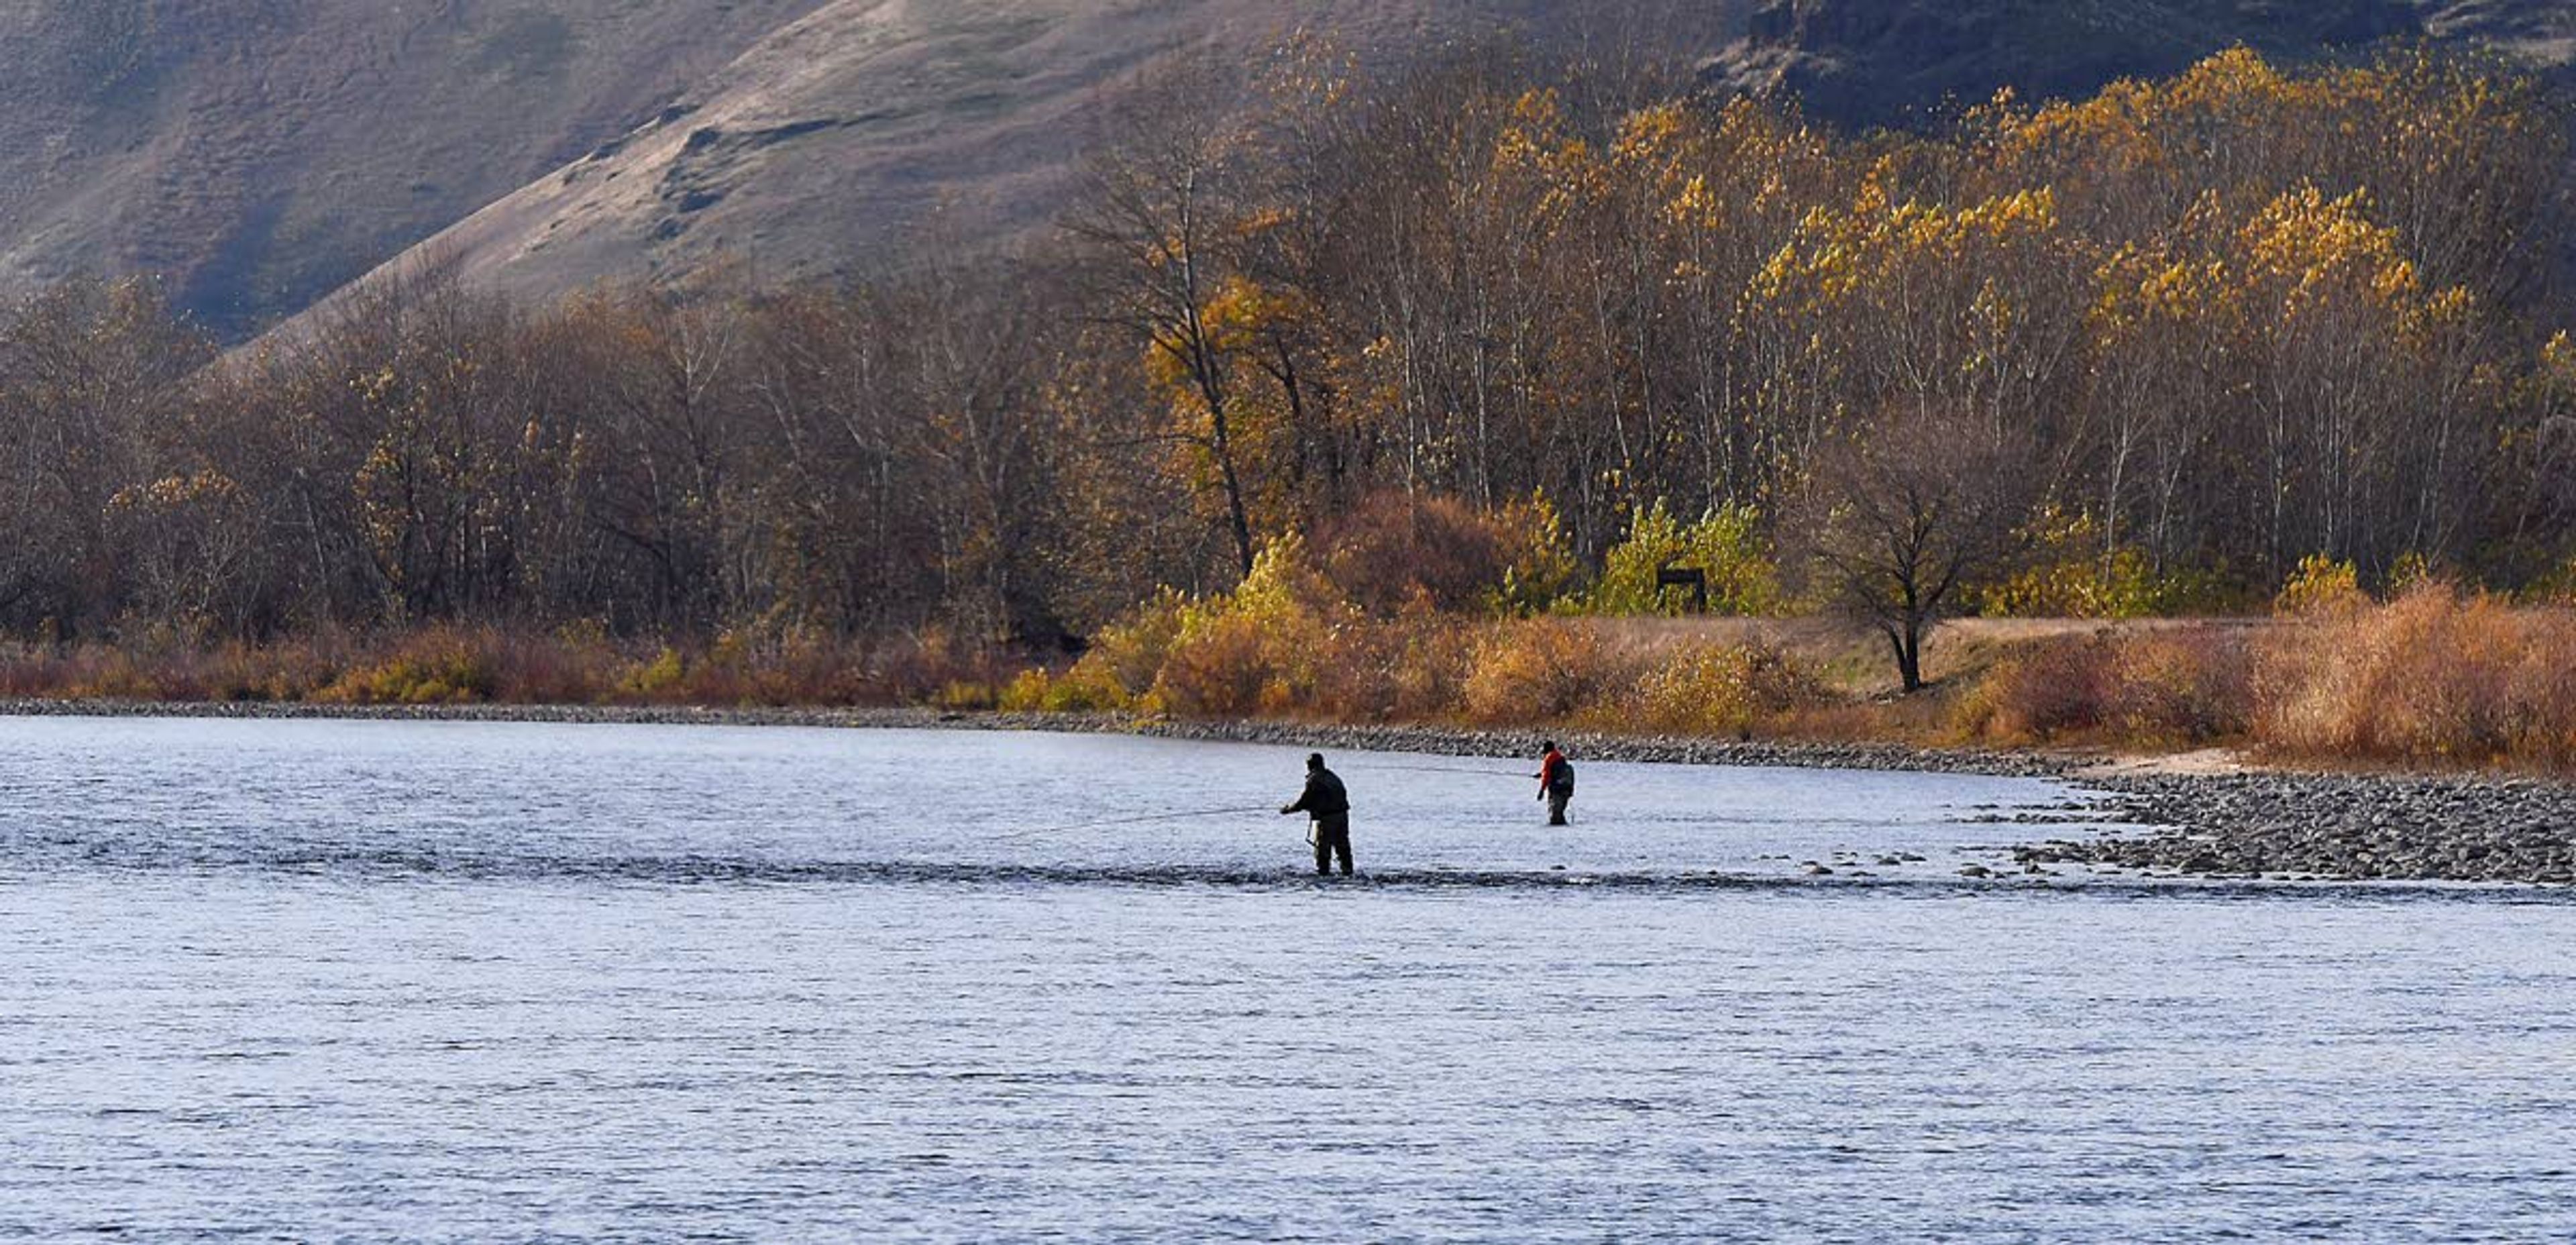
2342 827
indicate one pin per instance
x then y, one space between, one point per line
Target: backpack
1563 783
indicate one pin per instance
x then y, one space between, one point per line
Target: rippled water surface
421 981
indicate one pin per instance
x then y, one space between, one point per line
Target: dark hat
1314 760
1549 746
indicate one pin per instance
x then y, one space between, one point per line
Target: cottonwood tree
1161 201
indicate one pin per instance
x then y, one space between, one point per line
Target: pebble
2340 827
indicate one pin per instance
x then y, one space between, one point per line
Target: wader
1332 837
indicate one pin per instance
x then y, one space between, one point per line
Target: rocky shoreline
2335 827
2274 824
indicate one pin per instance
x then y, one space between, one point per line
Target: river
375 981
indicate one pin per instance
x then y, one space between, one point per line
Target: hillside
2542 34
845 131
258 153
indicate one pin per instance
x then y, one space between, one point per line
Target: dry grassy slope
845 130
2542 32
258 153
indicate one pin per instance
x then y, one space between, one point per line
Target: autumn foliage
1354 392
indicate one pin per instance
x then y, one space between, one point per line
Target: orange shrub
285 670
2047 691
1543 670
114 675
933 666
544 669
1394 548
2434 676
2192 686
2181 687
1221 669
1412 667
1723 689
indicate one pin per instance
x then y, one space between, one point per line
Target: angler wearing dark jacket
1329 804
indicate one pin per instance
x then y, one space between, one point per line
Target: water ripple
416 981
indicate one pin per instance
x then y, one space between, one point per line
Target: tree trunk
1238 517
1907 639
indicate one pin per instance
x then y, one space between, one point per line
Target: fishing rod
1128 821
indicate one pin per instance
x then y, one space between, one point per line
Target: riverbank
2197 818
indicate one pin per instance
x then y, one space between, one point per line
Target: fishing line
1127 821
1438 769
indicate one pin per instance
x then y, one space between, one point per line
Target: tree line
2213 325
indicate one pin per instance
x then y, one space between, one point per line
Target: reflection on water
625 983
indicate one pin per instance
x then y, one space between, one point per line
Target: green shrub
1726 544
2321 585
658 677
1541 568
443 665
1087 686
2069 574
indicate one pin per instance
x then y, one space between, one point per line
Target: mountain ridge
259 155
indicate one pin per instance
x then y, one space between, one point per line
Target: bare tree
1905 514
1162 198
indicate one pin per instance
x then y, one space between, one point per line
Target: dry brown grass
450 664
2436 677
2124 688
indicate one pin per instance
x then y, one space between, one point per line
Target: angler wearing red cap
1555 783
